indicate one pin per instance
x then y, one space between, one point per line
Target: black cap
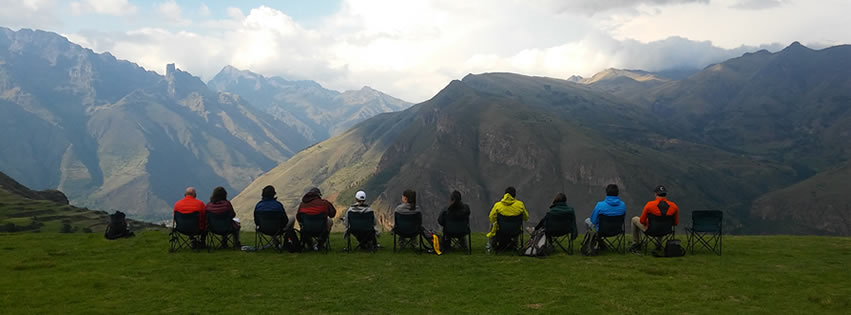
315 190
659 190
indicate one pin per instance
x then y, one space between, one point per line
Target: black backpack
673 248
590 244
291 241
117 227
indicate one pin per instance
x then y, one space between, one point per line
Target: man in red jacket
190 205
312 203
655 207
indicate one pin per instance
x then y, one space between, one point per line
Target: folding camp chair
612 231
269 229
184 230
456 233
220 231
559 228
362 227
706 230
660 229
407 231
314 230
509 235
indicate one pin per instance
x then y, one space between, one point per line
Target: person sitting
219 204
409 203
360 206
508 206
269 203
189 205
660 206
559 206
313 204
611 206
456 211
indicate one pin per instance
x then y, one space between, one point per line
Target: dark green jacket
559 208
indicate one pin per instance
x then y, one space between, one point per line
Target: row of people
312 203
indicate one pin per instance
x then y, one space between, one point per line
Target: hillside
316 112
113 135
25 210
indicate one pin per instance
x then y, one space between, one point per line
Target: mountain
115 136
316 112
542 135
25 210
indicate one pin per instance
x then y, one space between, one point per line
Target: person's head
219 194
269 192
315 190
190 191
560 197
455 197
360 196
409 196
612 190
511 191
660 191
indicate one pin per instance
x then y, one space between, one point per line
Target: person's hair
560 197
190 191
219 194
455 198
612 190
511 191
269 192
411 195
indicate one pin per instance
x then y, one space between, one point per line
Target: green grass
84 273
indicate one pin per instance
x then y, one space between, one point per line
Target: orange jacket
652 207
189 205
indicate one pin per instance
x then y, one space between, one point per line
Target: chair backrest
407 225
560 223
659 225
456 225
188 223
707 220
219 223
509 225
610 225
270 222
361 222
314 224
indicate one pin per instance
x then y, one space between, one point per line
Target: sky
413 48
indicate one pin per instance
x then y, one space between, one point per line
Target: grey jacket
405 208
361 208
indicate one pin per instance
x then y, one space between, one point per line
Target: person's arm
332 212
441 218
494 213
231 211
525 213
644 214
594 214
676 214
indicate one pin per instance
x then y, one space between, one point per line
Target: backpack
590 244
291 241
117 227
673 248
432 243
537 245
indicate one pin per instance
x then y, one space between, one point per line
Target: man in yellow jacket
508 206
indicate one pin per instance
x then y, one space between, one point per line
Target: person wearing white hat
360 205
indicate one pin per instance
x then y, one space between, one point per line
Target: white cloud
204 10
598 6
172 13
757 4
106 7
30 13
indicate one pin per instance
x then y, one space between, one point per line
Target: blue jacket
612 206
269 204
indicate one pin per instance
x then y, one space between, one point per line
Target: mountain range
113 135
745 136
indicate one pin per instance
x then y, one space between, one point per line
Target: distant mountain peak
795 46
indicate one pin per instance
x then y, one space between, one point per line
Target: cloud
106 7
204 10
31 13
757 4
598 6
172 13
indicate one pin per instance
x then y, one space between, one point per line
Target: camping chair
559 227
706 230
314 230
612 231
509 235
456 233
407 231
269 229
184 229
362 226
219 227
660 229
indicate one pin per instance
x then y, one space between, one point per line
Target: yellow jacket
508 206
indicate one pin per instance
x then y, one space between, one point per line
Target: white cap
360 195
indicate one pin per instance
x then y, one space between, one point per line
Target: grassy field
84 273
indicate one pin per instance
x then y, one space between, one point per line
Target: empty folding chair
706 230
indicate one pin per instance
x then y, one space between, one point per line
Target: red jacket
652 207
189 205
312 204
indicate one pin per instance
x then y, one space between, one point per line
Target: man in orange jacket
190 205
655 207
